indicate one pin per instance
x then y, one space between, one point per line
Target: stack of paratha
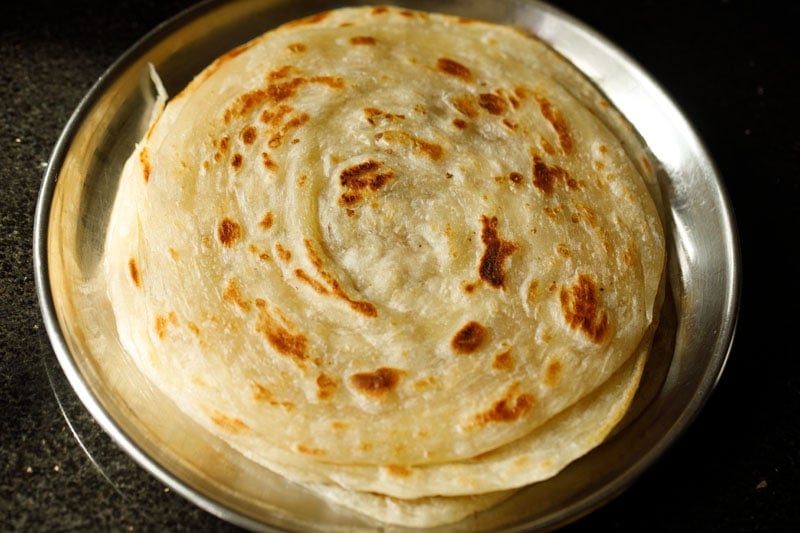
409 261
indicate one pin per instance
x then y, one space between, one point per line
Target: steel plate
77 194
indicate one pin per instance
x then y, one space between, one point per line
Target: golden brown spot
361 177
371 113
378 383
558 123
630 255
273 117
563 250
326 386
523 460
465 105
545 176
510 124
497 250
310 20
349 198
587 214
362 39
469 338
261 393
267 221
245 103
432 150
277 92
144 158
293 123
310 451
516 177
364 446
297 47
425 382
546 146
553 212
264 395
331 81
365 308
398 470
233 294
279 337
364 175
228 232
281 73
229 424
581 307
507 409
453 68
163 321
492 103
553 374
302 275
221 146
338 425
379 10
647 165
255 250
236 161
503 361
469 288
133 270
374 116
533 288
406 13
282 252
269 164
249 135
194 328
459 123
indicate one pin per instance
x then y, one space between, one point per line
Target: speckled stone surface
732 66
51 53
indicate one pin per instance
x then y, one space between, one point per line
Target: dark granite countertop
732 66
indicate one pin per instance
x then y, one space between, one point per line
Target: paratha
379 250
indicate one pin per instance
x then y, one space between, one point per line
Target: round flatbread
375 247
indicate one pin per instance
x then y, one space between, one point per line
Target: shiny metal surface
81 181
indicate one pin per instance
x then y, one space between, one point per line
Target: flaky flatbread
385 251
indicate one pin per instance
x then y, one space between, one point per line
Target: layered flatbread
408 260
